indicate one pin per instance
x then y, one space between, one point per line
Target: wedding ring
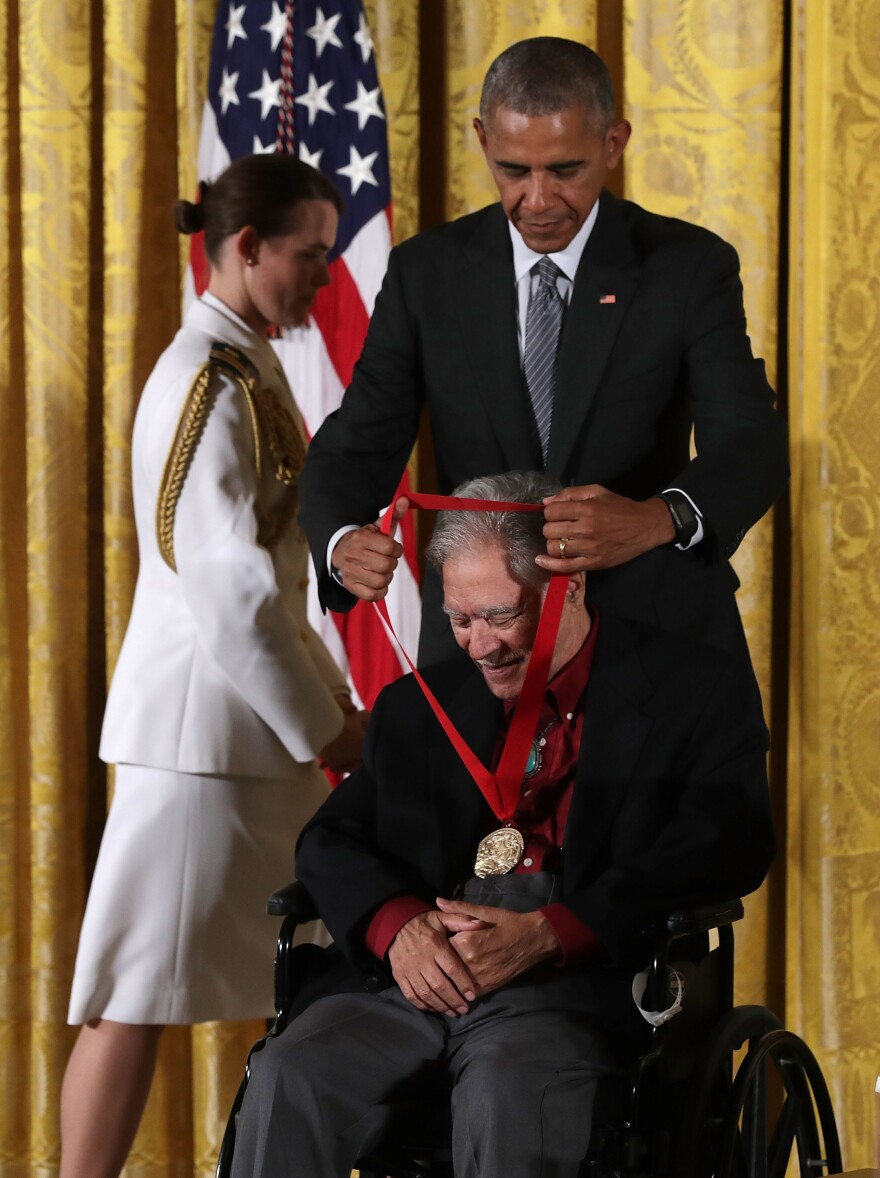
562 544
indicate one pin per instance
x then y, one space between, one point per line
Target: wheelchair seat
683 1111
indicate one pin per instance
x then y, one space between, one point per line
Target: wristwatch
684 518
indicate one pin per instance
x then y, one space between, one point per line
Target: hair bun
188 217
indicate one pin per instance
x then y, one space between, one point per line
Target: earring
252 261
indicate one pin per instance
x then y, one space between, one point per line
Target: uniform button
569 715
528 862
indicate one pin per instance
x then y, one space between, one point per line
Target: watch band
684 518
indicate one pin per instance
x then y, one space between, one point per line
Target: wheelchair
722 1091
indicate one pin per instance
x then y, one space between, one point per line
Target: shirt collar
567 260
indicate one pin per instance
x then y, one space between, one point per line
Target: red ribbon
501 789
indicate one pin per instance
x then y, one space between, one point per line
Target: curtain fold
99 134
703 91
833 927
50 122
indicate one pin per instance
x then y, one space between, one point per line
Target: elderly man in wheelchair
489 923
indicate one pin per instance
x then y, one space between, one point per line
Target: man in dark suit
644 789
648 339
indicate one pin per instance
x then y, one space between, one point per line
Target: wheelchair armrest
701 920
292 900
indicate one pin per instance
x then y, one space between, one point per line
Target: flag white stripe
372 242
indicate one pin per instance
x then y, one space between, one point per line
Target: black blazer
634 374
670 806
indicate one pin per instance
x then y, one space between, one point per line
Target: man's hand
502 944
592 528
429 972
366 559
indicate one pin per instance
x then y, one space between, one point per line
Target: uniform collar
212 316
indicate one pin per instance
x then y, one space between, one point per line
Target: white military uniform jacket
220 671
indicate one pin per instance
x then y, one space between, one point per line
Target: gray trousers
524 1063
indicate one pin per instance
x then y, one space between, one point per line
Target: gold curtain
98 136
833 853
703 88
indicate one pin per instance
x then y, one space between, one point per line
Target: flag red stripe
342 319
198 261
372 661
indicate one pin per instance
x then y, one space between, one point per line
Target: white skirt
175 929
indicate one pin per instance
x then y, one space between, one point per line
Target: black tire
803 1126
706 1097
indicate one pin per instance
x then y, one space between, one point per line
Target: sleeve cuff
576 939
334 540
388 920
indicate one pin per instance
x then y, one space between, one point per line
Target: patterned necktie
543 321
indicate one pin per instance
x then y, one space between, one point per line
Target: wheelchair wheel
706 1096
804 1126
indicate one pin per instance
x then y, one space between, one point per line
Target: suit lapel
460 812
487 319
607 280
616 726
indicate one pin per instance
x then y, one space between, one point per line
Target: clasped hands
586 528
444 959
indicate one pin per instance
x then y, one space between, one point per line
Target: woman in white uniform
223 697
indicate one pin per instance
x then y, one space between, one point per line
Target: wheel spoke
783 1139
754 1124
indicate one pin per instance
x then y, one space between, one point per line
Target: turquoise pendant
533 764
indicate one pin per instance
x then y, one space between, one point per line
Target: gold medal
499 852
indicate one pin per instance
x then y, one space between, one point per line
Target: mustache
497 661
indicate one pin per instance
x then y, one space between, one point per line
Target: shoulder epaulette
236 362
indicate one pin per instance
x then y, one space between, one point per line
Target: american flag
300 76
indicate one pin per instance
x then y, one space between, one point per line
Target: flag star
275 26
313 158
323 31
269 94
227 91
233 25
362 37
359 169
259 149
366 104
315 99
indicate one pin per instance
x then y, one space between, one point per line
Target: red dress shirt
542 810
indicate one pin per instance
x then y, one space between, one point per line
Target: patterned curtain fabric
703 91
833 853
759 121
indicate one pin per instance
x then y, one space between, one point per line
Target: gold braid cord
287 453
189 429
269 419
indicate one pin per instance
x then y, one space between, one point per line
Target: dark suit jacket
633 376
670 806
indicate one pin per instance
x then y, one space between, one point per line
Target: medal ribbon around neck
501 789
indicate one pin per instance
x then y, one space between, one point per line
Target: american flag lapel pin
607 299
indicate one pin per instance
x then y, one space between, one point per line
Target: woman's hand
343 753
